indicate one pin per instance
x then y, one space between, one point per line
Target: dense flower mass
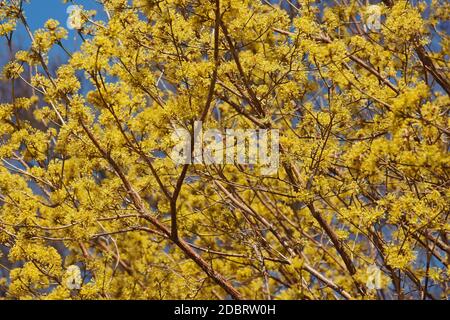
93 207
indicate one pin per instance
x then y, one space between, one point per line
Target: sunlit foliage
363 116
